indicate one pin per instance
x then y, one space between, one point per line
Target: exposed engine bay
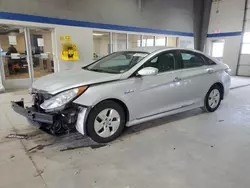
63 120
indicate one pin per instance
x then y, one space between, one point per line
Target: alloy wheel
107 123
214 98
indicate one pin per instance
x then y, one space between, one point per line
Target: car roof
148 49
158 48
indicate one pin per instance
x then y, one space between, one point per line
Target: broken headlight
61 99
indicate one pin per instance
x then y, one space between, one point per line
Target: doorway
25 54
42 56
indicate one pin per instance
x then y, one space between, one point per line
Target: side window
208 61
191 60
163 62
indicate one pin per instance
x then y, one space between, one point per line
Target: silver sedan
126 88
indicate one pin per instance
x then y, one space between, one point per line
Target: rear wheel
106 122
213 99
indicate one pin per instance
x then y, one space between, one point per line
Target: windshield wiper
100 70
97 70
85 68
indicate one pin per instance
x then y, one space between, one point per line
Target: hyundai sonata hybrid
126 88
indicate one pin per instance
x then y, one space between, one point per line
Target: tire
105 122
213 99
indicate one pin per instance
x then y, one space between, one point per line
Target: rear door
196 74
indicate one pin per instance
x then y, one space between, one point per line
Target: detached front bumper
31 113
58 122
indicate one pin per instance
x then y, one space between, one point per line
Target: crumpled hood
57 82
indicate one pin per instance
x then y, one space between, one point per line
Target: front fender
90 101
98 93
112 90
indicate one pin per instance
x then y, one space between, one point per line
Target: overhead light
98 34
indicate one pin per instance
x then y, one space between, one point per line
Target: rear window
209 61
191 60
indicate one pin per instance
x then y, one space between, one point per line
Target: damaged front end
52 115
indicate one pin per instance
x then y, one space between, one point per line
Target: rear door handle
210 71
177 79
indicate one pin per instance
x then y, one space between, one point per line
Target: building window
246 43
172 41
134 41
148 40
138 43
101 44
119 41
217 49
160 41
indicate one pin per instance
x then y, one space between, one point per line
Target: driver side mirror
148 71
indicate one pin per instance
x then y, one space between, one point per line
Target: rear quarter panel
196 82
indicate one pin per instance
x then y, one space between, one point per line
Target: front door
156 94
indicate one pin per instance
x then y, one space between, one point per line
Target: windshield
117 62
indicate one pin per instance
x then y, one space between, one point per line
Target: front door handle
210 71
177 79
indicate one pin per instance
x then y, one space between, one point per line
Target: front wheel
106 122
213 99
